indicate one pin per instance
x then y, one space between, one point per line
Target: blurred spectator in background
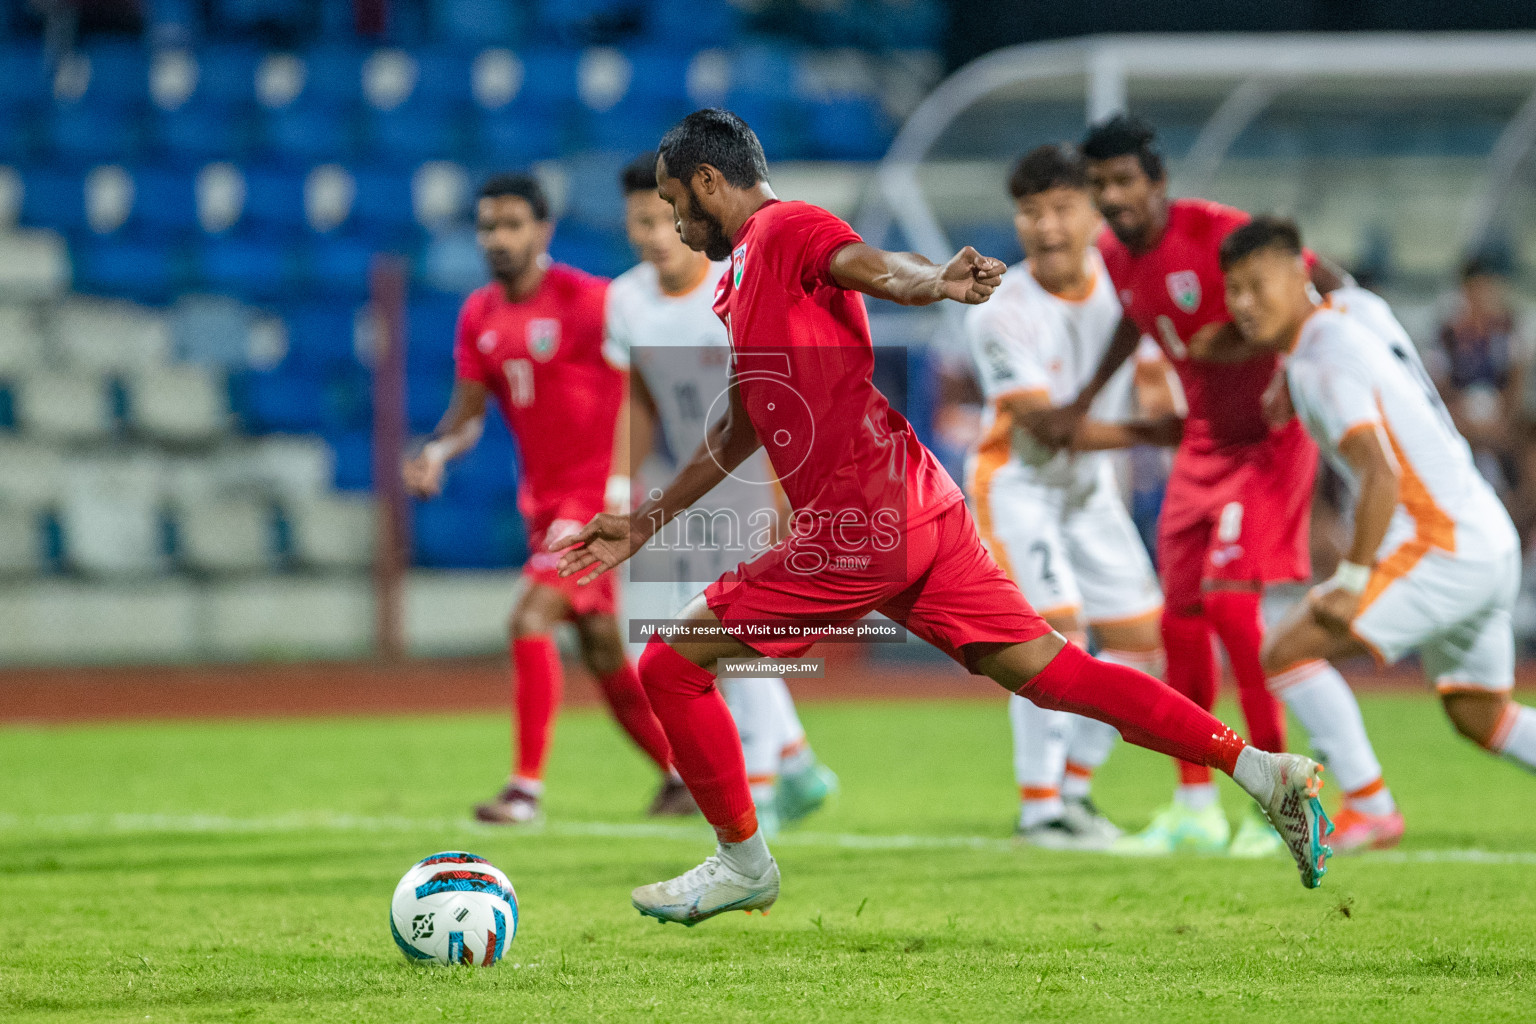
1480 367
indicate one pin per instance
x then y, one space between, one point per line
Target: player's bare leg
537 681
602 649
679 679
1495 723
1297 660
1054 674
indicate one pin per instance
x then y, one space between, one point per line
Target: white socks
1197 797
765 717
750 858
1253 774
1039 758
1323 702
1515 736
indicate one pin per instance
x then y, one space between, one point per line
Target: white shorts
1455 611
1069 553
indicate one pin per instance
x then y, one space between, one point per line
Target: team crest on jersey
486 342
738 264
543 338
1184 289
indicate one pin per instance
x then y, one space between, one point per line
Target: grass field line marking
324 821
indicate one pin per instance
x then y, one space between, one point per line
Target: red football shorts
600 597
1241 514
949 592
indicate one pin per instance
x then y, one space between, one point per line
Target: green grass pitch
242 871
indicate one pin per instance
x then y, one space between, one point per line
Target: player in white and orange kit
1434 565
659 325
532 341
1054 520
877 524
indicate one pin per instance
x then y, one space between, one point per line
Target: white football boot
709 889
1286 788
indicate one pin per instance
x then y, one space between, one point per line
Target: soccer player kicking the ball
532 339
878 525
660 326
1054 520
1434 565
1237 507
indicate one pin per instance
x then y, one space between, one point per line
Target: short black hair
522 185
1124 135
1265 232
639 175
1058 165
718 138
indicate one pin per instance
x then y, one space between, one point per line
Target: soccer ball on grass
453 908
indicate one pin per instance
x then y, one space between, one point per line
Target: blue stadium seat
466 534
763 69
418 130
429 325
274 198
592 185
779 123
485 22
119 73
354 459
226 73
631 126
692 24
489 471
383 200
54 198
337 266
305 132
335 75
593 250
443 75
262 15
321 335
254 268
165 200
426 399
133 268
549 75
278 401
15 135
87 133
850 128
348 400
201 130
521 133
660 72
26 82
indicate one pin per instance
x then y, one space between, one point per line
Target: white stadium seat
32 474
225 536
64 406
21 343
33 264
333 532
20 543
111 336
107 535
179 404
290 466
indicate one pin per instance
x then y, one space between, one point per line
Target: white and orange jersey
1025 339
1346 375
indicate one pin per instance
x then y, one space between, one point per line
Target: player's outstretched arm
1056 427
1336 602
1097 435
457 432
609 539
913 280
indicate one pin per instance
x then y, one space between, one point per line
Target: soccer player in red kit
878 525
532 340
1237 508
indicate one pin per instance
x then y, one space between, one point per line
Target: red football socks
537 680
626 699
1235 614
1146 712
706 749
1191 671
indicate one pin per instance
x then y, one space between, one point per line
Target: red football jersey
542 358
804 362
1173 291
